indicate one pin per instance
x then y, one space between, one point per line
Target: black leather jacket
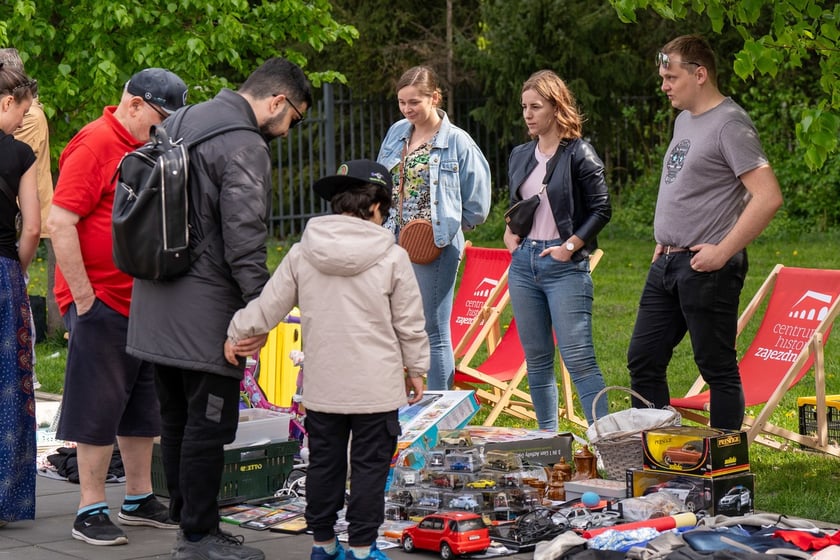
577 190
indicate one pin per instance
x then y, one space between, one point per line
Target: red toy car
452 533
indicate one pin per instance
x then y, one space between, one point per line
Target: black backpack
150 220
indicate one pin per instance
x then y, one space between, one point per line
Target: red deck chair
802 306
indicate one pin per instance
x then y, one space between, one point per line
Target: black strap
552 163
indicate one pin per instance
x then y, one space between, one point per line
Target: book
271 519
294 526
250 514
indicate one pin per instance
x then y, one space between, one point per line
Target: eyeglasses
300 118
295 123
163 116
664 61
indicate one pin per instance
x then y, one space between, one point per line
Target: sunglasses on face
664 61
158 110
300 118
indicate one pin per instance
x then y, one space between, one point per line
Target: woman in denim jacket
445 179
549 279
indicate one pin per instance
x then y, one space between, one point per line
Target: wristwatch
570 247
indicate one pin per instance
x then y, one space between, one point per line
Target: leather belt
668 249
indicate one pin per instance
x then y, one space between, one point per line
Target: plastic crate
808 416
249 472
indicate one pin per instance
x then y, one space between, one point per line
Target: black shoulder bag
520 217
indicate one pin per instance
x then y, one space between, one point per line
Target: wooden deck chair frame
504 395
758 428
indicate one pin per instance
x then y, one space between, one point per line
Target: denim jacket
459 174
577 190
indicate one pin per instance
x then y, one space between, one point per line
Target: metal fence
339 128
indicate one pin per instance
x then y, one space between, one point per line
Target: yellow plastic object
278 374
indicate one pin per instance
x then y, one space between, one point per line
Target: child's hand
414 389
243 347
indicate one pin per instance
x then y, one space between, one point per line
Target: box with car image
695 450
732 494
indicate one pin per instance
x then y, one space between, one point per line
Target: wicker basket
617 437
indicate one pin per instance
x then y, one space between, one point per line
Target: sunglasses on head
664 61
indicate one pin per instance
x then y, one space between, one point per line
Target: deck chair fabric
496 380
802 307
477 293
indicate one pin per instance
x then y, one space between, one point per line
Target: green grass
789 482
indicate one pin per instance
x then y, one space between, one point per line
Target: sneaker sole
116 541
126 519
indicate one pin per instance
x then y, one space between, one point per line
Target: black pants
199 415
373 446
676 300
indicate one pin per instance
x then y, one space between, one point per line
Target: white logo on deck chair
805 311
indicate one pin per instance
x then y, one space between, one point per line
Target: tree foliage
778 35
82 52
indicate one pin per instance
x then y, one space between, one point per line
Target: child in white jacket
365 344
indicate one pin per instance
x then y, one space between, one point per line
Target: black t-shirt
16 158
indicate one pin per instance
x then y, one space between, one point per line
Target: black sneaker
215 546
97 529
151 513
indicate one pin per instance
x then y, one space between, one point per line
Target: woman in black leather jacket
549 280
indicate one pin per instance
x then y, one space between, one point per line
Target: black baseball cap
159 86
352 174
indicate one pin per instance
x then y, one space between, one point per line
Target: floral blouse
416 198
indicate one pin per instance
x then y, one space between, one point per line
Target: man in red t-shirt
107 393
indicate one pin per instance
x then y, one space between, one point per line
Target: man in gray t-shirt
716 194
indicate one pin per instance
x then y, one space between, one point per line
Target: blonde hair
424 79
549 86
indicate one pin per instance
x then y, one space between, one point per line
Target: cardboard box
422 422
541 447
436 412
695 450
607 489
259 426
731 495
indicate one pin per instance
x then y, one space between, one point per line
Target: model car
687 490
441 480
451 533
436 460
688 455
482 483
737 499
460 466
463 502
428 502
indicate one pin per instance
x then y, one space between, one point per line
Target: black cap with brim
353 174
160 87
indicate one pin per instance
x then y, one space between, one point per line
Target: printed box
607 489
541 447
695 450
731 495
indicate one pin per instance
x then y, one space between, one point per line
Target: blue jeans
676 300
547 293
437 287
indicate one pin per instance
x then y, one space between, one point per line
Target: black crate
249 472
808 418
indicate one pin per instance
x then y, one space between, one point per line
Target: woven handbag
617 437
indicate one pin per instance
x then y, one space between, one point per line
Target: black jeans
676 300
373 444
199 415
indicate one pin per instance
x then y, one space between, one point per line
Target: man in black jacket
179 325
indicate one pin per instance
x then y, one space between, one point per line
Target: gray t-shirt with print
700 193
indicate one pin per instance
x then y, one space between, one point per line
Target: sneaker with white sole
150 513
97 529
215 546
